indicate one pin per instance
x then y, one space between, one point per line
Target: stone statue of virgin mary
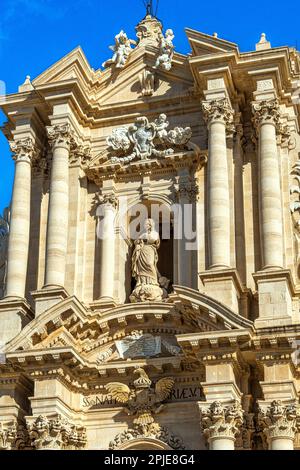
144 266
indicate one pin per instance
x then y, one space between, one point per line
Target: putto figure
121 49
166 51
144 265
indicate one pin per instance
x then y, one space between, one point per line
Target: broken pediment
203 44
73 66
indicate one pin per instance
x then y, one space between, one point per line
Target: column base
225 286
275 298
47 297
15 313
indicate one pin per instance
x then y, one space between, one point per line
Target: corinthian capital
57 433
218 110
107 199
61 135
279 420
24 149
221 421
265 111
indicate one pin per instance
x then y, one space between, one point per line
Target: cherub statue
143 400
161 125
121 49
166 52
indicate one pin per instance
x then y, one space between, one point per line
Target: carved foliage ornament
153 430
222 420
279 420
219 110
144 139
14 436
265 111
61 135
56 433
24 149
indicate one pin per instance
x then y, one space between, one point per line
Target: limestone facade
199 348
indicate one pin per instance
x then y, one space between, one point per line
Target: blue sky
36 33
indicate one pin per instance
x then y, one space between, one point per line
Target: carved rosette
150 431
279 420
56 433
222 421
24 150
219 111
61 135
265 112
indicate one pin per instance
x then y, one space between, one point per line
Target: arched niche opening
145 443
133 227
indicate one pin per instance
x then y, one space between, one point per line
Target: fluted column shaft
61 138
18 247
266 116
218 115
106 235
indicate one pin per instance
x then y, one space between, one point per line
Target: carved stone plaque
142 346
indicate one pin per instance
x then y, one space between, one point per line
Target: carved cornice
279 420
265 112
221 421
219 111
61 135
56 433
24 150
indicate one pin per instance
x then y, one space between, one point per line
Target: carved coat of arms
144 140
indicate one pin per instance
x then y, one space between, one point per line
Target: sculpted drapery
144 265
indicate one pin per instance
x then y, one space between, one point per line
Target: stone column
106 214
186 196
24 153
221 424
266 118
219 116
279 422
61 138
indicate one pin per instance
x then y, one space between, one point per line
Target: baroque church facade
186 341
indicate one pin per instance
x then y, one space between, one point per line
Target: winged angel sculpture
143 400
144 139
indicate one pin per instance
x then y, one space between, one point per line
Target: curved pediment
70 323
